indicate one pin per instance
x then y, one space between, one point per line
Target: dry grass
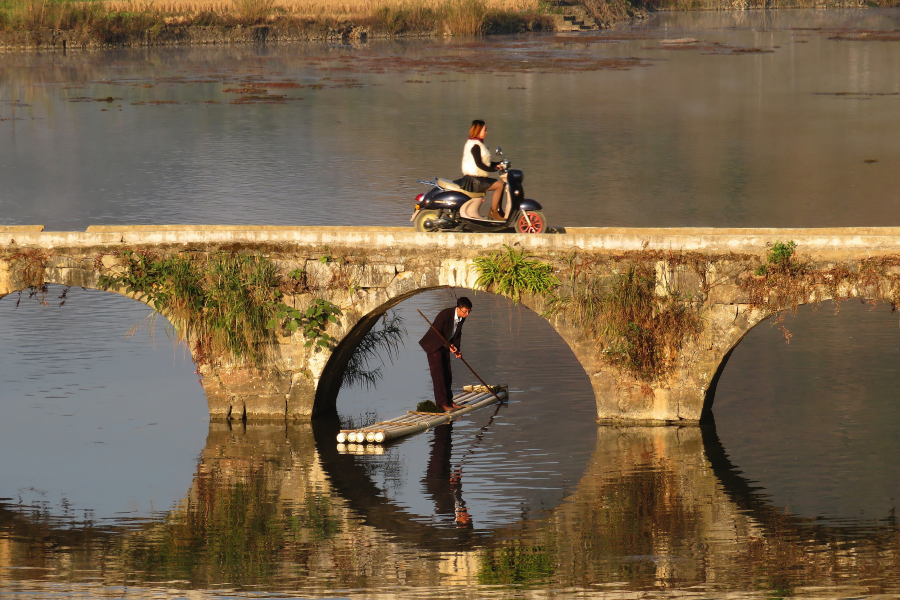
324 9
639 330
117 21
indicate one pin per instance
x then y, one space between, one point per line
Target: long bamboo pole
489 388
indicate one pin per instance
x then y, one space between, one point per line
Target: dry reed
114 21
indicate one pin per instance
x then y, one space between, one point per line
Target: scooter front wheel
533 223
421 217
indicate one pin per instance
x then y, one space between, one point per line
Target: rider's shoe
495 215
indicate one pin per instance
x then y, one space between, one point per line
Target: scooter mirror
500 150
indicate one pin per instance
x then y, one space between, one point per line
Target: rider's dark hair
464 302
476 128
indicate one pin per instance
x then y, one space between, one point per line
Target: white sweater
468 162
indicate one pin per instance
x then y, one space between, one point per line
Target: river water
114 484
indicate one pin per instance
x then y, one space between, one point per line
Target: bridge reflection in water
659 509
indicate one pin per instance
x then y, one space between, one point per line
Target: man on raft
449 323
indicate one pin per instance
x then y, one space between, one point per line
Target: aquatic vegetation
427 406
513 273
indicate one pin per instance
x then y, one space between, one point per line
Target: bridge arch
747 318
708 266
330 382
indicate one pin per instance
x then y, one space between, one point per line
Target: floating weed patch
468 57
709 48
281 85
267 99
245 90
851 95
866 36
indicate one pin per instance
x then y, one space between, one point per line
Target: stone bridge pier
366 271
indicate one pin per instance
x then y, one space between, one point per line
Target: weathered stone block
727 294
301 398
216 397
271 406
375 275
344 275
249 382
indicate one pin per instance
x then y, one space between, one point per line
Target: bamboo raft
472 398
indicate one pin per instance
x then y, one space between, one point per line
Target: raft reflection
270 509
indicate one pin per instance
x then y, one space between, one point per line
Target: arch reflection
657 509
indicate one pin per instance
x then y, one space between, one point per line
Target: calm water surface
114 484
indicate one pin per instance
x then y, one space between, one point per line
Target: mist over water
114 484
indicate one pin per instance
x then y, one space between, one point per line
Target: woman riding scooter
476 163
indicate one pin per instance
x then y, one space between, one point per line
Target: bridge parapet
366 271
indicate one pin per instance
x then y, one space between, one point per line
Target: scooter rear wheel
421 217
538 223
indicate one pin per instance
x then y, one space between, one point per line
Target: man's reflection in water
442 482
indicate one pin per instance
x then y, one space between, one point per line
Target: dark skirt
474 184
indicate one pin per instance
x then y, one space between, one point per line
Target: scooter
448 207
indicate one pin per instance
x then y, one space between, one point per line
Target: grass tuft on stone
218 303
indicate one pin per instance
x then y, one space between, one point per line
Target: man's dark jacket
431 342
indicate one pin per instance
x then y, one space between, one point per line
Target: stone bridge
367 270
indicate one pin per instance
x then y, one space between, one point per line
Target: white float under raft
472 398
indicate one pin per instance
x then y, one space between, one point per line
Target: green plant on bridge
780 257
513 273
312 321
220 303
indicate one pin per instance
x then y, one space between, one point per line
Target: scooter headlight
419 198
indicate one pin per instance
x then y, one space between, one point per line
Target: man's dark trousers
441 377
439 354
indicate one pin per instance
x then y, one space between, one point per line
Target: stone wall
368 270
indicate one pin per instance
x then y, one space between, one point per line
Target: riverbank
79 24
70 24
42 24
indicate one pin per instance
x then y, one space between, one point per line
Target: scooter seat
449 185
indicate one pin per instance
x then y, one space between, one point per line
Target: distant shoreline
29 25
